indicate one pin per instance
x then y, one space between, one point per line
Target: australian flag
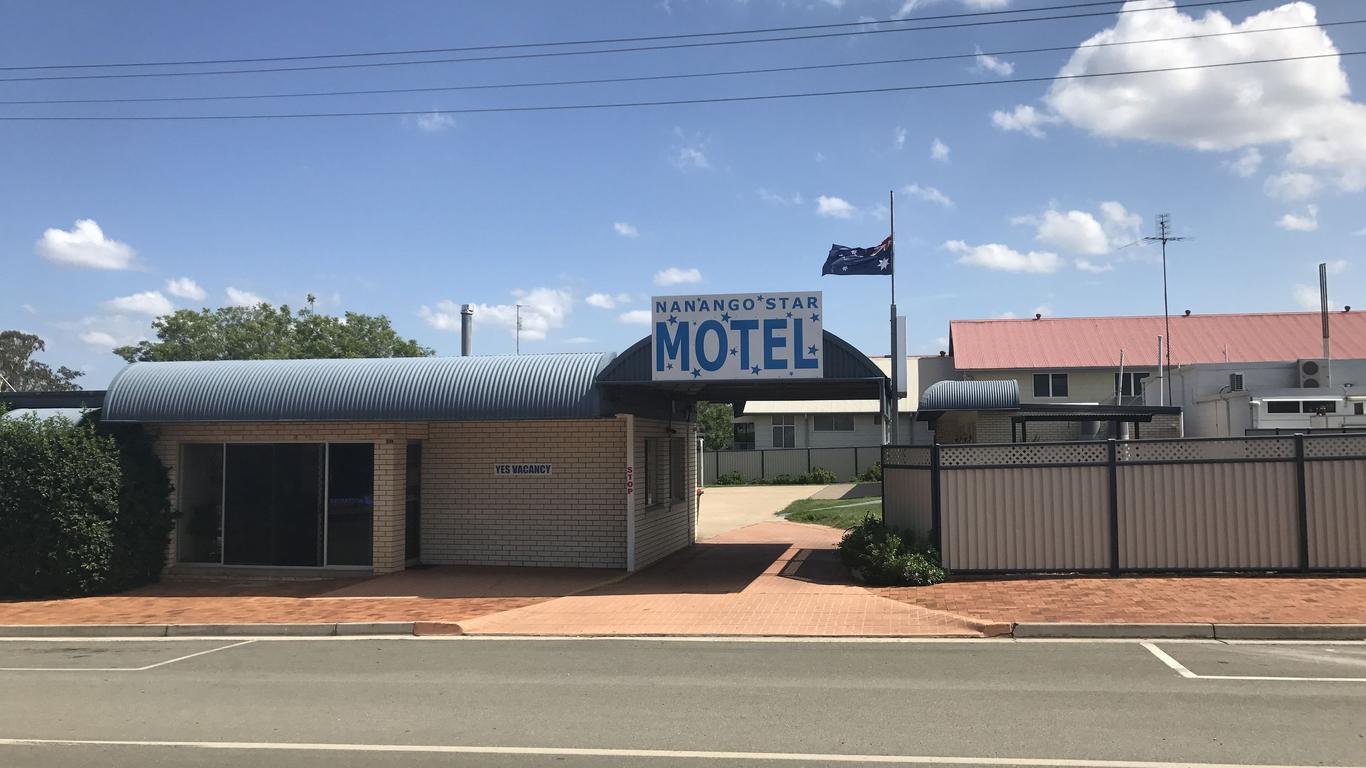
859 261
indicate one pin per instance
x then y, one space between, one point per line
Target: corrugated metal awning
971 396
557 386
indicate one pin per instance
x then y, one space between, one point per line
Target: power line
677 76
632 49
562 43
668 102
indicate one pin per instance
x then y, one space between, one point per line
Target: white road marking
452 749
1168 660
1181 668
126 669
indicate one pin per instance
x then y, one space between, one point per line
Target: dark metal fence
769 463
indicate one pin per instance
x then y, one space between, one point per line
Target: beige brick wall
574 517
670 524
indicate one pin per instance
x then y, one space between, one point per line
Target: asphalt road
467 702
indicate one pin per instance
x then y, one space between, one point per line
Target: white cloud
185 288
1246 164
29 308
1307 296
84 245
1023 118
626 230
835 207
1086 265
146 303
1003 258
777 198
939 151
434 122
1303 106
99 339
542 310
1290 186
1337 266
580 340
1007 315
240 298
1043 309
929 195
1082 233
607 300
635 317
899 138
690 152
677 276
997 66
1308 221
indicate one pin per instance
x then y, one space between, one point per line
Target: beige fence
1249 504
769 463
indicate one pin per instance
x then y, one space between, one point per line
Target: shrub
59 498
83 508
872 474
881 555
730 478
821 475
786 480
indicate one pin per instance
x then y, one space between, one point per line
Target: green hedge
82 510
885 556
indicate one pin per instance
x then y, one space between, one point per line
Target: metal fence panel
906 499
1025 519
1208 516
1335 492
841 461
748 463
788 461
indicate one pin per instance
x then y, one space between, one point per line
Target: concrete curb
1061 631
210 630
1290 631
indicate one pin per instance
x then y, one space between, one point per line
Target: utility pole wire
633 49
666 102
676 76
561 43
1164 235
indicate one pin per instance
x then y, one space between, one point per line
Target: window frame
834 423
678 468
784 424
1052 378
1132 383
746 427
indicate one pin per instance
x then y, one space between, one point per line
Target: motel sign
734 336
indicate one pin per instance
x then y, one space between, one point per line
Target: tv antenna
1164 235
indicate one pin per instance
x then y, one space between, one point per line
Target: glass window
744 436
833 422
784 431
1131 385
651 457
1282 406
273 504
677 467
1050 385
412 502
1359 409
199 531
1319 406
350 502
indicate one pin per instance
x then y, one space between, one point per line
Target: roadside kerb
1135 631
211 630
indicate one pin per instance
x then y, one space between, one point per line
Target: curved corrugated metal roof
841 361
971 396
557 386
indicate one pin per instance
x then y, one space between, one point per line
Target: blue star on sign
725 317
754 370
789 314
696 374
734 351
815 317
669 367
811 350
760 297
673 319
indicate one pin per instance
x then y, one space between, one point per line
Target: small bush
872 474
786 480
730 478
886 556
821 475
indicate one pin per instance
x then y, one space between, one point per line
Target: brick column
390 475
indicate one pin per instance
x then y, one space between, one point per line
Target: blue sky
1011 198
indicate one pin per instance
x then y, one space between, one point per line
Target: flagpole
891 356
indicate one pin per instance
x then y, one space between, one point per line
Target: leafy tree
714 421
26 374
264 332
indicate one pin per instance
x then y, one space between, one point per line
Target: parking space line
127 669
676 754
1186 673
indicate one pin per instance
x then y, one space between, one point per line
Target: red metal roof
1095 342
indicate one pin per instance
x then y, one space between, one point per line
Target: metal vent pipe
466 328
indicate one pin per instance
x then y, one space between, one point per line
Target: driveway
725 508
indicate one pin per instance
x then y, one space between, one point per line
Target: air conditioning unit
1313 373
1235 382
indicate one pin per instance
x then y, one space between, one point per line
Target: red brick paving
1187 599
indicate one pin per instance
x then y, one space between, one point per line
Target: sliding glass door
276 504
